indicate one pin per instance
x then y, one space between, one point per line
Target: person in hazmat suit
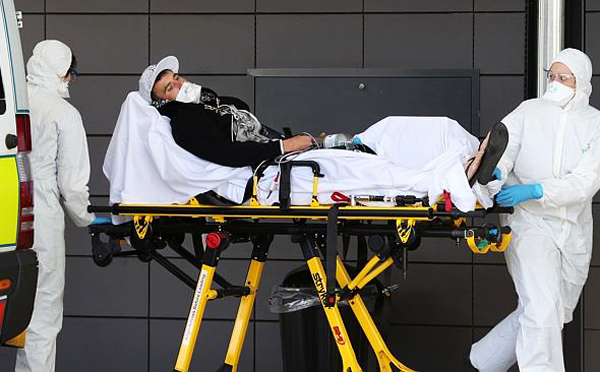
60 168
552 171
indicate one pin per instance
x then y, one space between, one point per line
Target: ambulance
18 262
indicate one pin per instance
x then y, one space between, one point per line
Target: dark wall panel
283 248
592 302
107 94
596 250
595 98
31 33
226 44
291 6
592 4
29 5
499 43
268 351
105 6
118 290
592 38
494 296
592 345
210 350
494 5
354 103
273 275
418 5
98 182
100 345
500 95
308 41
441 250
188 6
170 298
450 344
112 43
440 294
418 41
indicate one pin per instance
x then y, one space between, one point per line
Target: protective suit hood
48 65
581 66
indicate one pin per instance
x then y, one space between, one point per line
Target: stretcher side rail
348 212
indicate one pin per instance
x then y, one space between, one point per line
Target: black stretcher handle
499 209
458 233
285 188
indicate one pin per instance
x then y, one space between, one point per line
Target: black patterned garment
206 133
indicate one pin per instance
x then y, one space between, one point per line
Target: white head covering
148 78
581 66
48 66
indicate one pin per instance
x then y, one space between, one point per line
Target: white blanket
416 156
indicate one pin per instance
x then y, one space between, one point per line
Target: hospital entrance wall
130 315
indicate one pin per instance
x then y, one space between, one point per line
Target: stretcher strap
285 186
332 232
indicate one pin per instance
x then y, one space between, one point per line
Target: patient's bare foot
474 161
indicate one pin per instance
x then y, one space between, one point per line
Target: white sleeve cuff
281 147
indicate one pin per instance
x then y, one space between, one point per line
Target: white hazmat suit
60 168
549 256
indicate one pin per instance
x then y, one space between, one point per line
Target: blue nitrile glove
497 173
513 195
101 221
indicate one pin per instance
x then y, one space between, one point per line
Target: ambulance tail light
25 227
23 133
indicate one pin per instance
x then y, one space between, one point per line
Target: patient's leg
419 142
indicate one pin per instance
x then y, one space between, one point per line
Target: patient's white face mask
189 93
559 93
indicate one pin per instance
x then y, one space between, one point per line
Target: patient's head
152 74
167 85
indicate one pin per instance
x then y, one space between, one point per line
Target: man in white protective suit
60 168
552 171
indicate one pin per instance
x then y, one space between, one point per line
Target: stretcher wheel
144 257
102 255
176 239
148 243
414 242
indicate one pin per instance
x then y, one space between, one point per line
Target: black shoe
493 152
467 366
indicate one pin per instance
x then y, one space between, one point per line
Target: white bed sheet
416 156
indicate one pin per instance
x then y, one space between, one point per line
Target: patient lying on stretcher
188 142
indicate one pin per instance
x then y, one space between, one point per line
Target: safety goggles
563 78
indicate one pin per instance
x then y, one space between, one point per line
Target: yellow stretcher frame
407 219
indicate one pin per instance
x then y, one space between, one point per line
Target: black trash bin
306 341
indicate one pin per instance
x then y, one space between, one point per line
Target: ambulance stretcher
389 232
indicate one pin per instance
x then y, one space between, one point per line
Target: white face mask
189 93
63 88
559 93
